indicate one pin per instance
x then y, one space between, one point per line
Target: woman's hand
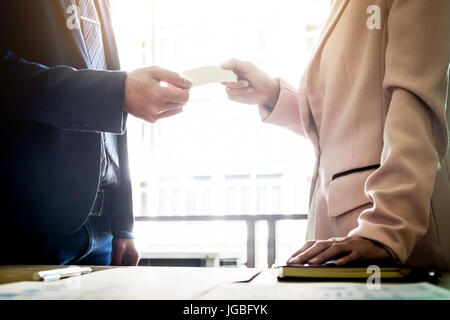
253 85
344 250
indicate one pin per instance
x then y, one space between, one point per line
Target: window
217 158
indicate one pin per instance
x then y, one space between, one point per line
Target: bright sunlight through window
217 158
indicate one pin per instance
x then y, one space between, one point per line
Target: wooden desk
174 283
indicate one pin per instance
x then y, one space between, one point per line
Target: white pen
56 274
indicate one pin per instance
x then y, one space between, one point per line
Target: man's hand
344 250
124 253
145 98
253 85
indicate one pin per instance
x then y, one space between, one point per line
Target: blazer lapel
109 41
336 13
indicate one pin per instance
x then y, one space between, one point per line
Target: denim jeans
100 243
90 245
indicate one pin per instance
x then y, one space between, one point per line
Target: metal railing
250 220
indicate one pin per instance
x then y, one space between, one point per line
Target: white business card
207 75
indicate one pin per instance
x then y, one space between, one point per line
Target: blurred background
214 185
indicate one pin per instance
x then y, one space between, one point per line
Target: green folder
330 271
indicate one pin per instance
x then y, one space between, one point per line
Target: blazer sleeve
61 96
285 113
415 132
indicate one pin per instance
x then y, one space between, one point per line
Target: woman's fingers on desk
307 245
345 250
310 250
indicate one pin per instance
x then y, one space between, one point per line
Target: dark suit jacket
52 110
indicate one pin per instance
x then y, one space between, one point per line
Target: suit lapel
336 13
109 41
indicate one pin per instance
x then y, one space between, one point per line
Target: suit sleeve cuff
105 105
282 112
114 117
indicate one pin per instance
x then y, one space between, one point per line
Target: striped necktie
92 33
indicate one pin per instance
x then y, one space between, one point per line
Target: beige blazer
373 103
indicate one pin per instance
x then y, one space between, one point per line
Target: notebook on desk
330 271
